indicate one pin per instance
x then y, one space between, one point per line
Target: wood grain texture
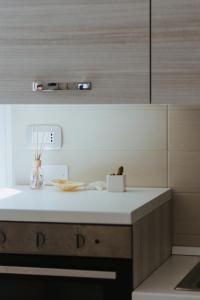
60 239
186 222
106 42
184 128
183 171
175 51
152 242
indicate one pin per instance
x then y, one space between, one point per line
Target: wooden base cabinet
145 245
152 242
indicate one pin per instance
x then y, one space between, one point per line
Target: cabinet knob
80 240
2 238
40 239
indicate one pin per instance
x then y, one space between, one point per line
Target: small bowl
66 185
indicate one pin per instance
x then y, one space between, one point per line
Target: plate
67 185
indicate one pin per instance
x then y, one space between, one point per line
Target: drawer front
65 239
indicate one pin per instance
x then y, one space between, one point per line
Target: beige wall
158 145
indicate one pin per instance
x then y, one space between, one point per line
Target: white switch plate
47 136
55 172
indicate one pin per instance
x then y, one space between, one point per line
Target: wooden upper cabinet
102 41
176 51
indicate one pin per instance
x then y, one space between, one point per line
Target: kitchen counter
160 285
49 205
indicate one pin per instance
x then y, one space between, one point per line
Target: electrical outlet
55 172
49 137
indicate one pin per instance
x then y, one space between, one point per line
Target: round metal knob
2 238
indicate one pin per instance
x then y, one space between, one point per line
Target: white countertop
49 205
160 285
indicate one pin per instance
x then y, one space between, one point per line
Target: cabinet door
175 51
102 41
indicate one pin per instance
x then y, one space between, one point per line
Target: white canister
116 183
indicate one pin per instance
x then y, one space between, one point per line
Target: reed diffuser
37 176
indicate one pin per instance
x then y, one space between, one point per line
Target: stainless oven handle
58 272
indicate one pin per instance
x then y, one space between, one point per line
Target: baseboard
180 250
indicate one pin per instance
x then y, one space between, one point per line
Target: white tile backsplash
97 139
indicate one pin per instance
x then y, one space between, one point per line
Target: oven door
47 277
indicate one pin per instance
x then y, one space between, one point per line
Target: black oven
39 277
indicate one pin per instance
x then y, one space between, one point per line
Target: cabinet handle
40 239
33 271
80 240
2 238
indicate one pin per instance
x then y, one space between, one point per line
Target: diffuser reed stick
37 178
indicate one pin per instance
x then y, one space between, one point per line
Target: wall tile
184 128
184 171
97 139
143 168
123 127
186 219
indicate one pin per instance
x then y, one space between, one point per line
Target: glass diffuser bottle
37 176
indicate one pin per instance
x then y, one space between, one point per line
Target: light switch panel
49 137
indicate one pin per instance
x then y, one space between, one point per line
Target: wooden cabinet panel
66 239
105 42
152 242
175 51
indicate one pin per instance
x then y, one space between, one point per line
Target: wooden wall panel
183 172
175 51
106 42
